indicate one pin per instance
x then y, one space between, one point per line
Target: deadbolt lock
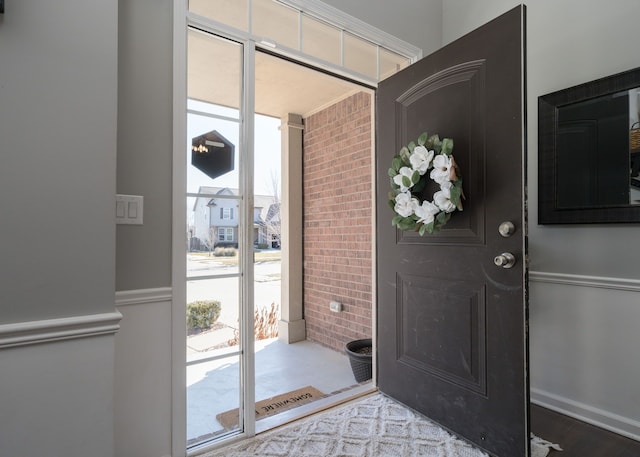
506 229
505 260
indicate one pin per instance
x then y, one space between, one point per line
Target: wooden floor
578 439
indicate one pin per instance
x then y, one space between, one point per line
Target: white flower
442 198
441 169
404 171
426 212
421 159
405 204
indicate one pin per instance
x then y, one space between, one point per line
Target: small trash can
360 353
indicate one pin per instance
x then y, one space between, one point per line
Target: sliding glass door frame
245 240
247 336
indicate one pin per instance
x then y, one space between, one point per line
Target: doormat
274 405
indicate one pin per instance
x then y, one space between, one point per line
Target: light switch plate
129 209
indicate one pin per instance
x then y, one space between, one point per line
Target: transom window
313 31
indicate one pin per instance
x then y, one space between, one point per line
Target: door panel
459 93
424 303
451 324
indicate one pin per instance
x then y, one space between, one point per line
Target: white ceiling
282 87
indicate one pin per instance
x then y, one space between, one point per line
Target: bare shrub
265 324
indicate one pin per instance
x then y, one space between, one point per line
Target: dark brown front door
452 339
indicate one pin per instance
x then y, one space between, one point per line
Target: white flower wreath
409 177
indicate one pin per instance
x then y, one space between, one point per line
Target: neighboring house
215 220
266 221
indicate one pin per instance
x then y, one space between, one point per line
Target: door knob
505 260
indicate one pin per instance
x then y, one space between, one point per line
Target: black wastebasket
360 353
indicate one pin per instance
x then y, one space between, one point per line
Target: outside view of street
213 386
213 274
210 227
226 291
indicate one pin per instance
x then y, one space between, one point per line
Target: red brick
337 216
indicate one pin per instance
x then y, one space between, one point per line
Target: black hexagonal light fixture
212 154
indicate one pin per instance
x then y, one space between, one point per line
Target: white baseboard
600 418
66 328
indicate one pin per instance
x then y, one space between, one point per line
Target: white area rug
375 426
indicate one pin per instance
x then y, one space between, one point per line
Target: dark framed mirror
589 152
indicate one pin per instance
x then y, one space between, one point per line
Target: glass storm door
219 230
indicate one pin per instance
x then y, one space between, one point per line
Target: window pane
361 56
214 69
214 167
391 63
267 292
220 332
212 238
321 40
213 398
275 22
226 235
213 110
213 387
267 149
230 12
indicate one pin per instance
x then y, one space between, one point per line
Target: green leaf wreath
409 175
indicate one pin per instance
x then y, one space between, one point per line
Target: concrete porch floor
213 387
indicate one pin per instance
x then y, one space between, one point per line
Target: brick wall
337 221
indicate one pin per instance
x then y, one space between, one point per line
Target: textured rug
375 426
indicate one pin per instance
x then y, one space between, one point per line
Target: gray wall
57 158
57 399
145 125
58 110
568 43
143 370
584 289
418 22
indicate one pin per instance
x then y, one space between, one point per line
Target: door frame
181 20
